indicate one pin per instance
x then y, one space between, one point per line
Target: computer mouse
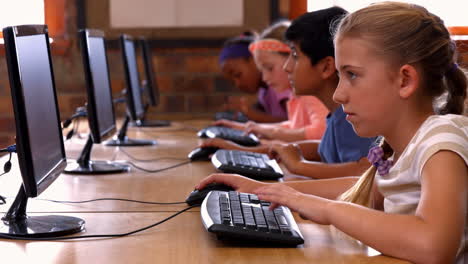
197 196
201 154
202 133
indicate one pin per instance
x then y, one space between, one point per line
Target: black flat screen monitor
101 116
134 101
100 107
150 84
39 140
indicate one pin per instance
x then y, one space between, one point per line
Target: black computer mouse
202 133
197 196
202 154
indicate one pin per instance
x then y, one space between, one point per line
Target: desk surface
180 240
183 240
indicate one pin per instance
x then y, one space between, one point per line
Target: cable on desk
108 199
158 170
99 236
148 160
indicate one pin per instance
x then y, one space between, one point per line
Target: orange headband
269 45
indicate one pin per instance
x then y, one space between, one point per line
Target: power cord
148 160
79 112
108 199
7 166
100 236
158 170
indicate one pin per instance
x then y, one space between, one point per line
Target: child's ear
408 80
327 67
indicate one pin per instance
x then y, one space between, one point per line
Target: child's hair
276 32
245 38
313 32
237 47
407 34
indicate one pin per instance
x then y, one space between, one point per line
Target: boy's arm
290 155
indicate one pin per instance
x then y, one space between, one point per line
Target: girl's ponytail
361 192
456 84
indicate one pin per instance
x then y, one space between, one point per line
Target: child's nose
287 66
339 96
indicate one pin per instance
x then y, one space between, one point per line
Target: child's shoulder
443 132
447 124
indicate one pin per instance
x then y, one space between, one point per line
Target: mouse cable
7 166
158 170
108 199
3 236
148 160
79 112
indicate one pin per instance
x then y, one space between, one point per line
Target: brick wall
189 81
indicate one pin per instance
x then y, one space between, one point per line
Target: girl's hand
231 124
239 183
308 206
288 154
219 143
258 130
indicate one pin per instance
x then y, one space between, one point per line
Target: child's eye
351 75
294 54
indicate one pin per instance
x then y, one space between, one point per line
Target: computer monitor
134 100
135 109
100 107
150 86
39 140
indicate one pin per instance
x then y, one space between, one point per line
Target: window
50 12
453 12
32 12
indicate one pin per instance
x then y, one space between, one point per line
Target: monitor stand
121 140
150 123
84 164
17 224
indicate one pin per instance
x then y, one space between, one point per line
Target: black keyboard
243 217
230 115
227 133
253 165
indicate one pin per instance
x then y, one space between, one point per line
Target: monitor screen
133 82
100 106
39 137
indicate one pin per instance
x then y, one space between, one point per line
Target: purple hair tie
375 157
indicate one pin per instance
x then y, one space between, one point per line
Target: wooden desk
172 185
180 240
183 240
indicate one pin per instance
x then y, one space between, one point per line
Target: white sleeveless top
402 186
